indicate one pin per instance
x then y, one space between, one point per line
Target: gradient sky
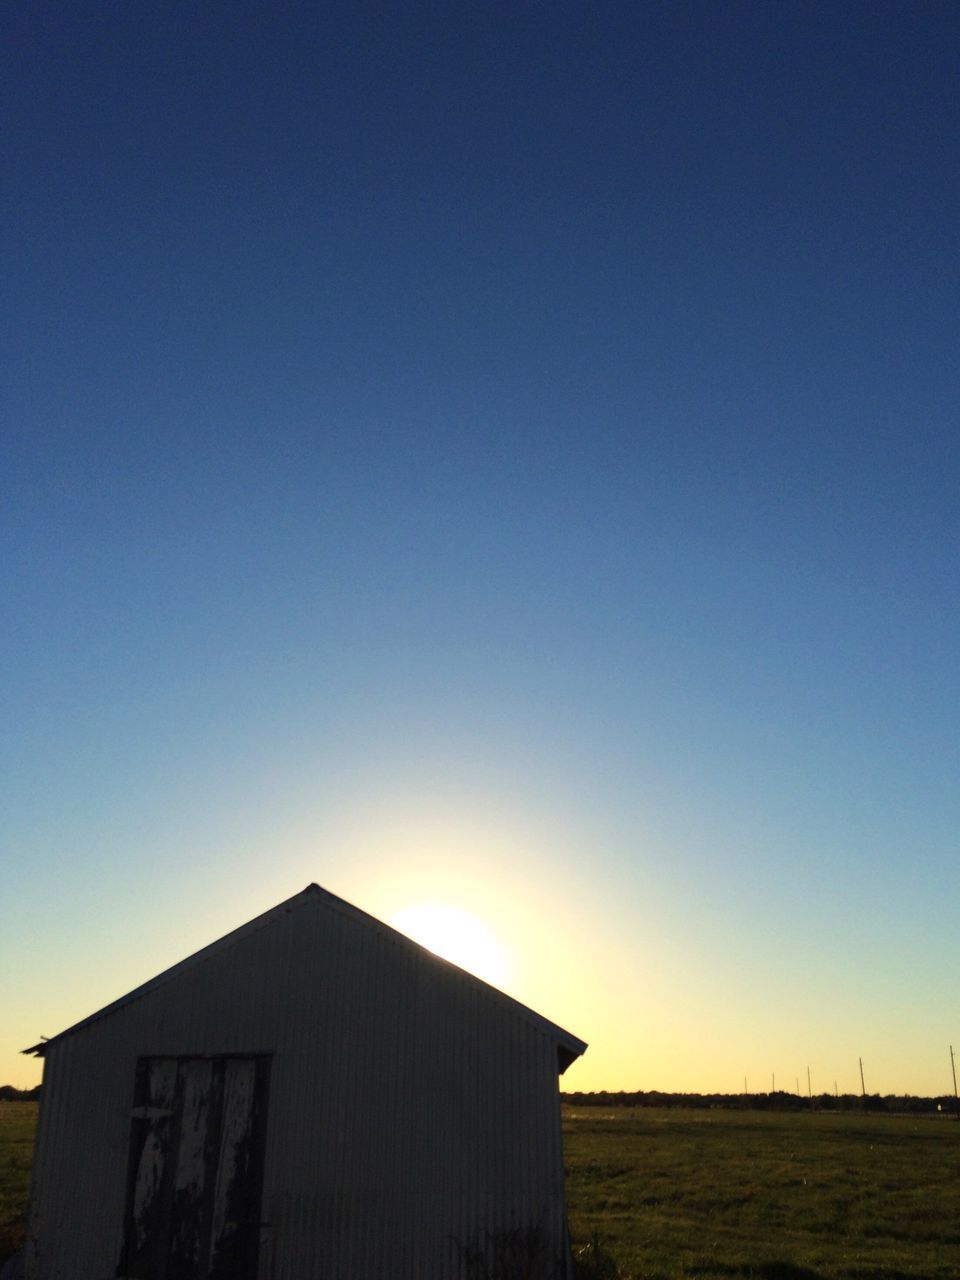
504 455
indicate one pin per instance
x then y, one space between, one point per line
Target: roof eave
569 1048
568 1051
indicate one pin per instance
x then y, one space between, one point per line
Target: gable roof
569 1047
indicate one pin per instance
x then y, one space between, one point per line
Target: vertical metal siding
412 1112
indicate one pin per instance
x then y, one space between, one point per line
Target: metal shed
312 1097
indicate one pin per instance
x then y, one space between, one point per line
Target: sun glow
457 936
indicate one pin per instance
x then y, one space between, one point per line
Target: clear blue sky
499 452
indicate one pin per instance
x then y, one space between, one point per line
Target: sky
502 457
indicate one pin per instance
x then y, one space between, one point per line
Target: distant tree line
9 1094
781 1100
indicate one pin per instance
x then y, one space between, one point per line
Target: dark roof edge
569 1047
195 957
571 1043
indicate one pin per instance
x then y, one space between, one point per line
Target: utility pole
863 1087
773 1082
809 1090
798 1086
956 1097
745 1086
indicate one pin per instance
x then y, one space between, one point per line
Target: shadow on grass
785 1271
768 1271
11 1239
881 1273
790 1271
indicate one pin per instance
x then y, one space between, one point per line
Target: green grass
718 1195
18 1120
766 1196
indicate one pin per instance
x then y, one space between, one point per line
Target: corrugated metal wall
413 1115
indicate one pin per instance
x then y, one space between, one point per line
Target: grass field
718 1195
767 1196
18 1120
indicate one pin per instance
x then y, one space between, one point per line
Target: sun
457 936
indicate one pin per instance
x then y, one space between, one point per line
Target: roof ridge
572 1046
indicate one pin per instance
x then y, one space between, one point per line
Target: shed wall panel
413 1115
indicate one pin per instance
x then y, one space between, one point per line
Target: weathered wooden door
196 1169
